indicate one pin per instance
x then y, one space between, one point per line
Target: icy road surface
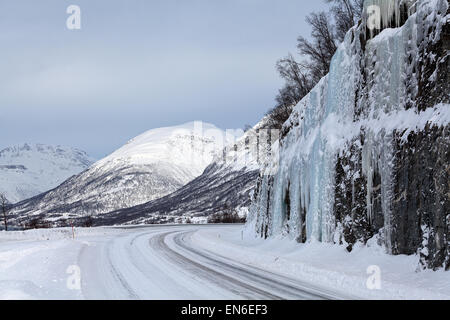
160 262
199 262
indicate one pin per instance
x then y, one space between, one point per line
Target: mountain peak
191 146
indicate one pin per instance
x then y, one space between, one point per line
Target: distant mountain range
30 169
150 166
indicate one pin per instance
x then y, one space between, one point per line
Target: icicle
368 170
381 14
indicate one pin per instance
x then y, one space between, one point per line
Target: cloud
139 64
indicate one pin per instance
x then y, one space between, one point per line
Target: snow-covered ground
198 262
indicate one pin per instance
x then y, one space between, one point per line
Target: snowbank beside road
330 265
34 263
55 234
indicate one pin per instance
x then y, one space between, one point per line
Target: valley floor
199 262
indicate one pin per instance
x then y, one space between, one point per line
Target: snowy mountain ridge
191 146
30 169
148 167
225 185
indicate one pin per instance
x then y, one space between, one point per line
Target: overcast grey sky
139 64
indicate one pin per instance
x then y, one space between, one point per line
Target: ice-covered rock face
355 162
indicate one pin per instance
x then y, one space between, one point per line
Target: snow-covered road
197 262
161 262
164 263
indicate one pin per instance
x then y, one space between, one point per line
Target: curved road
163 263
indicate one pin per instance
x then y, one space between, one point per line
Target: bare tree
88 222
36 223
296 75
328 29
297 85
4 209
247 128
321 49
286 100
346 14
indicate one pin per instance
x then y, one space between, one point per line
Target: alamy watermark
374 280
74 279
231 147
373 17
73 22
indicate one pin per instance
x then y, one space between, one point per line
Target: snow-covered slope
187 148
148 167
366 154
28 170
226 184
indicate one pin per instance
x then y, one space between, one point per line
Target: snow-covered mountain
148 167
226 184
30 169
365 158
